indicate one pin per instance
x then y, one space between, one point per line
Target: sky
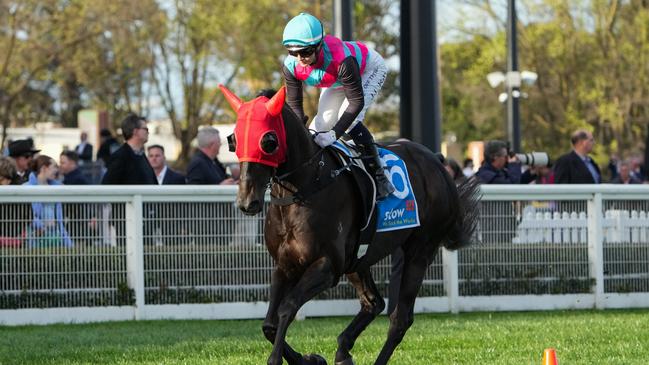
449 13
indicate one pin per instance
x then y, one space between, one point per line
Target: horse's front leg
372 304
279 286
318 277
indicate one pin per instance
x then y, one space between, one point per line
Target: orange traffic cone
550 357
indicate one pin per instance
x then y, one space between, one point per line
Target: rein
297 196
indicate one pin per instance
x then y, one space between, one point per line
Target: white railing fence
120 253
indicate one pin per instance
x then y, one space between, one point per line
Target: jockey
350 75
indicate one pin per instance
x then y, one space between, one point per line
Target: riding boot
376 168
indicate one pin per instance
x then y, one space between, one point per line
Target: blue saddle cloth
399 209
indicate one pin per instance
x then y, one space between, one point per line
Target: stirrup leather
377 170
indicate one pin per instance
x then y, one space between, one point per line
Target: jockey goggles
303 52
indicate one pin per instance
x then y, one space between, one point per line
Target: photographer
499 167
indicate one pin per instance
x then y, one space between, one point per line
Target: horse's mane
287 112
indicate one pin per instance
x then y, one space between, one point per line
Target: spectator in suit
72 175
165 227
164 175
22 152
204 167
576 167
128 165
84 150
624 175
499 167
108 145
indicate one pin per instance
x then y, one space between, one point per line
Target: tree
111 70
591 60
28 52
203 47
65 53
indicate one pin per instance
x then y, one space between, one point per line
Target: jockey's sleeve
349 76
293 93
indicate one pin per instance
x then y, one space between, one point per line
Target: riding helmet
302 31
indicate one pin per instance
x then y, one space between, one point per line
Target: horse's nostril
254 206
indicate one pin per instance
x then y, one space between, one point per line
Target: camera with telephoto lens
534 159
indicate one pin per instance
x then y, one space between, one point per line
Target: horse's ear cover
234 100
274 105
256 119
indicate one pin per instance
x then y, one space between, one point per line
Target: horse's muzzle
251 208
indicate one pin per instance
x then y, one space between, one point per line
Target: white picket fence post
596 247
135 252
617 226
451 270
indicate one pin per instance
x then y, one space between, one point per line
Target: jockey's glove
324 139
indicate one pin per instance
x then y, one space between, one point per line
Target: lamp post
514 83
343 19
512 80
420 105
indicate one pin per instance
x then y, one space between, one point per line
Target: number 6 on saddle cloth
399 209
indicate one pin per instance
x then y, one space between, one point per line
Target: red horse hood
256 119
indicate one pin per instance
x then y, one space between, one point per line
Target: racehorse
313 230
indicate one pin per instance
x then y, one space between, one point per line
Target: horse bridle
299 196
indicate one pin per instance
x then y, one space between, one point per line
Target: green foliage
591 60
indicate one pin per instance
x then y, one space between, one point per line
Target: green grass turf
579 337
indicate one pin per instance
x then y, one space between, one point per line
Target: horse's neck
300 149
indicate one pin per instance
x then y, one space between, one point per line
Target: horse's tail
462 233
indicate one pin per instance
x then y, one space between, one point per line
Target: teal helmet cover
302 31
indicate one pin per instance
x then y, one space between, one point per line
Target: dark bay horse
313 237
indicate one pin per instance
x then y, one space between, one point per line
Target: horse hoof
347 361
313 359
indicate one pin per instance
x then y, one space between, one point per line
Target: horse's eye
269 143
232 143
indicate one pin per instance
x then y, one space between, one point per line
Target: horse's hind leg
372 304
414 269
278 287
317 278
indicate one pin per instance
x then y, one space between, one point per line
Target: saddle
397 211
350 157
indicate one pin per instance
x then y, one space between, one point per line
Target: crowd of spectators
574 167
128 163
134 163
131 162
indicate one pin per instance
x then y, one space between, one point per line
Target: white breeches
333 102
